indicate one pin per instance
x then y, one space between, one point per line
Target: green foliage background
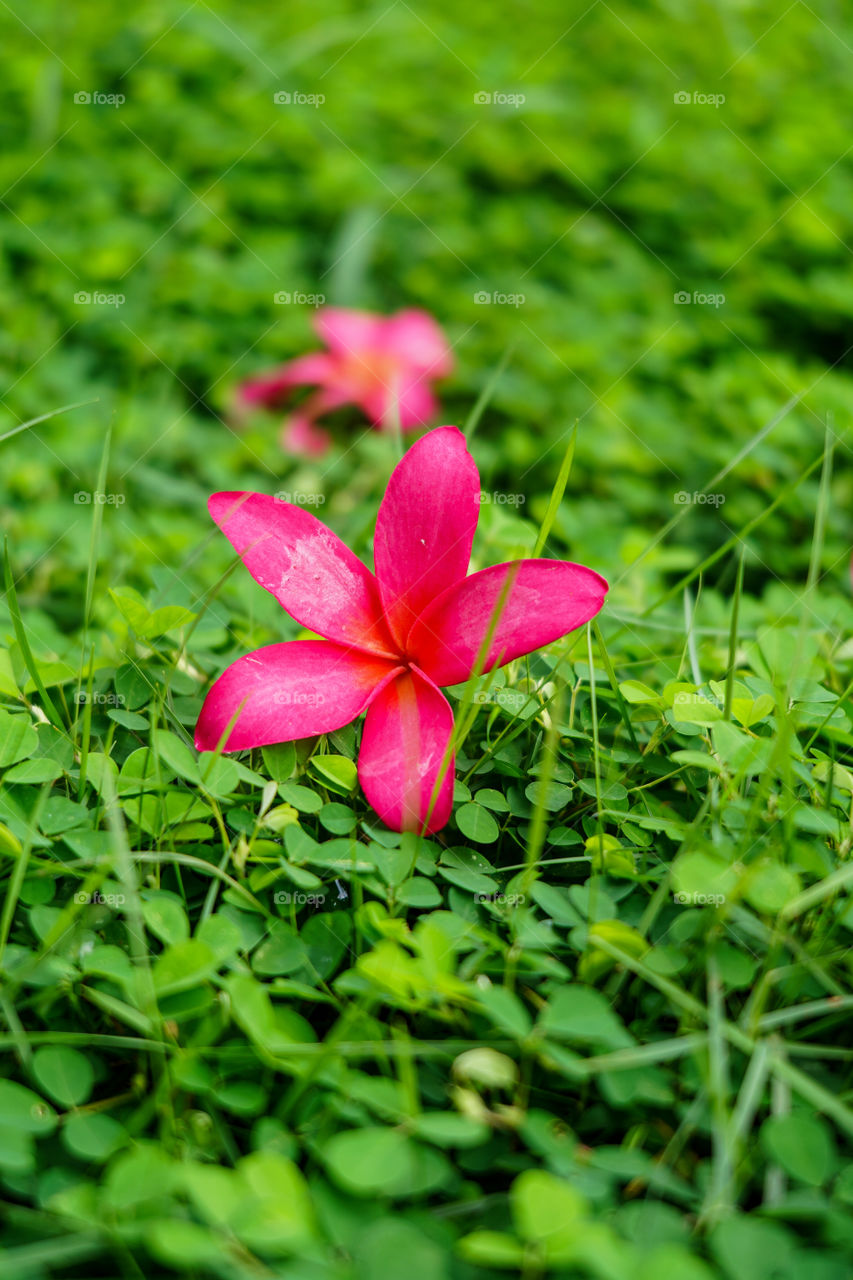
176 1119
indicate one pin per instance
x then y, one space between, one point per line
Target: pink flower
375 362
390 639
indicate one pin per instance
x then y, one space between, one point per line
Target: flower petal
417 339
545 599
410 392
290 690
306 567
348 331
425 526
406 734
272 388
303 438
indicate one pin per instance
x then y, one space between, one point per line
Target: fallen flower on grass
383 364
390 639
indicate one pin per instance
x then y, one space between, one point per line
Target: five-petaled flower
390 639
383 364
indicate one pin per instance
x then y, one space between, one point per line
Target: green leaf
64 1074
371 1161
477 823
280 761
24 1110
183 1244
583 1015
18 738
180 758
636 691
184 965
545 1209
748 1248
35 772
492 1249
338 773
506 1010
166 918
802 1144
769 886
93 1137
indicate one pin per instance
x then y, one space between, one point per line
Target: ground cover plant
597 1023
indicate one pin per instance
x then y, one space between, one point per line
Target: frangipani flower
383 364
391 639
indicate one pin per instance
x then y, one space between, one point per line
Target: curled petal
306 567
287 691
534 602
425 526
404 766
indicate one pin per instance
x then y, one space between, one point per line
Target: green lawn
598 1028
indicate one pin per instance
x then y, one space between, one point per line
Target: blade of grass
485 396
733 633
556 494
21 636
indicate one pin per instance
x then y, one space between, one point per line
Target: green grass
598 1028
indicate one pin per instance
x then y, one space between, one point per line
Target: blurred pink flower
382 364
390 639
